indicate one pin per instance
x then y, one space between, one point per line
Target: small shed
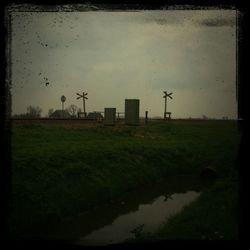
60 114
109 116
132 111
95 116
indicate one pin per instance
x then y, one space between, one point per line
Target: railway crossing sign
83 96
166 96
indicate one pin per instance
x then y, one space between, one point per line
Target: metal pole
83 99
165 107
166 103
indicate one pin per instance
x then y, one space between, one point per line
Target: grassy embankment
61 170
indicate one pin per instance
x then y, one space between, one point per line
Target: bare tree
34 111
72 109
79 110
50 112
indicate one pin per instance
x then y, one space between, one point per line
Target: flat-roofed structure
60 114
109 116
132 111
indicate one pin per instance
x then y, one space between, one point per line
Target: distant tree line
35 112
72 110
32 112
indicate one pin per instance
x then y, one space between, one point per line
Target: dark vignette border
242 63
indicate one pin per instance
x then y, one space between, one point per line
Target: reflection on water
149 215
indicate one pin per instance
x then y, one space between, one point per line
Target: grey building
95 116
60 114
109 116
132 111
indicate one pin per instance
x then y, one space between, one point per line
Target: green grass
59 171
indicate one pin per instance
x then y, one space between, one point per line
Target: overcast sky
115 56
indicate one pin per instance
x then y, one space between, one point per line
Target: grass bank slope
61 170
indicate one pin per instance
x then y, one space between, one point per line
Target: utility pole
63 99
83 96
146 117
166 96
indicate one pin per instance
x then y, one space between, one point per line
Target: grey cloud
217 22
123 54
168 17
164 21
179 17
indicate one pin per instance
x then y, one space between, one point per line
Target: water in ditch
145 208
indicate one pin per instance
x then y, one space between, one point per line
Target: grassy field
62 168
